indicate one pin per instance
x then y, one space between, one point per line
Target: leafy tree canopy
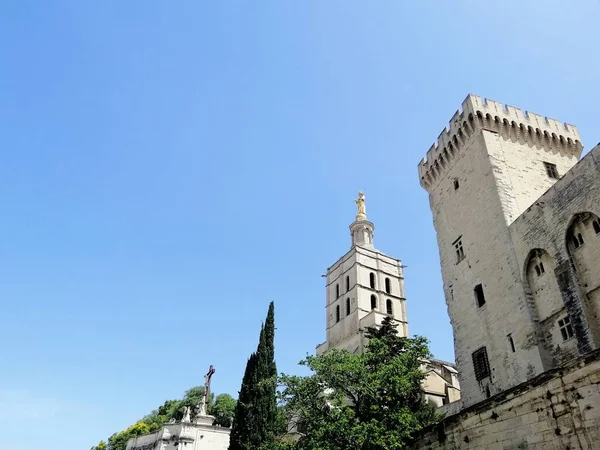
223 409
369 401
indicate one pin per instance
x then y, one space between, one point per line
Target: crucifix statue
206 395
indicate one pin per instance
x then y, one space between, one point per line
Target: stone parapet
480 113
557 409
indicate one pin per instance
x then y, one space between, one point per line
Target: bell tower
362 288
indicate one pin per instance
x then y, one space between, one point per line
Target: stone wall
188 436
567 283
470 215
559 409
487 169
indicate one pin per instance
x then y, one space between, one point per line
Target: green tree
223 409
101 446
368 401
162 415
192 399
255 419
118 441
170 410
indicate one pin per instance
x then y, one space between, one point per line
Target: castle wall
488 167
559 409
473 212
570 283
518 163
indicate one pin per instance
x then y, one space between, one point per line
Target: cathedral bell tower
363 287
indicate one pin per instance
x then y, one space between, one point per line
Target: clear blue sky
168 168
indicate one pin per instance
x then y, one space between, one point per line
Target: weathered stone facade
199 435
558 409
557 245
441 386
516 218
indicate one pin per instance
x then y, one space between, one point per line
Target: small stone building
441 386
198 434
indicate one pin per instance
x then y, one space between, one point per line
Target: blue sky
168 168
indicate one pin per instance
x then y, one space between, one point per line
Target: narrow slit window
389 307
347 283
348 306
337 313
373 302
479 297
456 184
337 290
511 343
372 280
388 286
596 225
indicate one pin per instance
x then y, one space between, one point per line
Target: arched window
348 306
372 280
347 283
543 287
388 286
373 302
337 313
337 290
576 239
388 307
596 225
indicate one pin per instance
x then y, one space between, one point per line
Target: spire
361 229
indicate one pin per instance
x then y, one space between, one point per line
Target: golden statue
360 202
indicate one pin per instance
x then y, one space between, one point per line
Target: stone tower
363 286
491 164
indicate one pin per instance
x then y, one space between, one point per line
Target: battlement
479 113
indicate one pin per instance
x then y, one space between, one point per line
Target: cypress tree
256 410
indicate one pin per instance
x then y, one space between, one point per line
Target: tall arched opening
583 247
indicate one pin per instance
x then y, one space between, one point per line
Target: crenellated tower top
479 113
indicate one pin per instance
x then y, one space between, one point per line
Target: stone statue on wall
186 414
202 407
360 203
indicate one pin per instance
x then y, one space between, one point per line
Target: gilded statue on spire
360 203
